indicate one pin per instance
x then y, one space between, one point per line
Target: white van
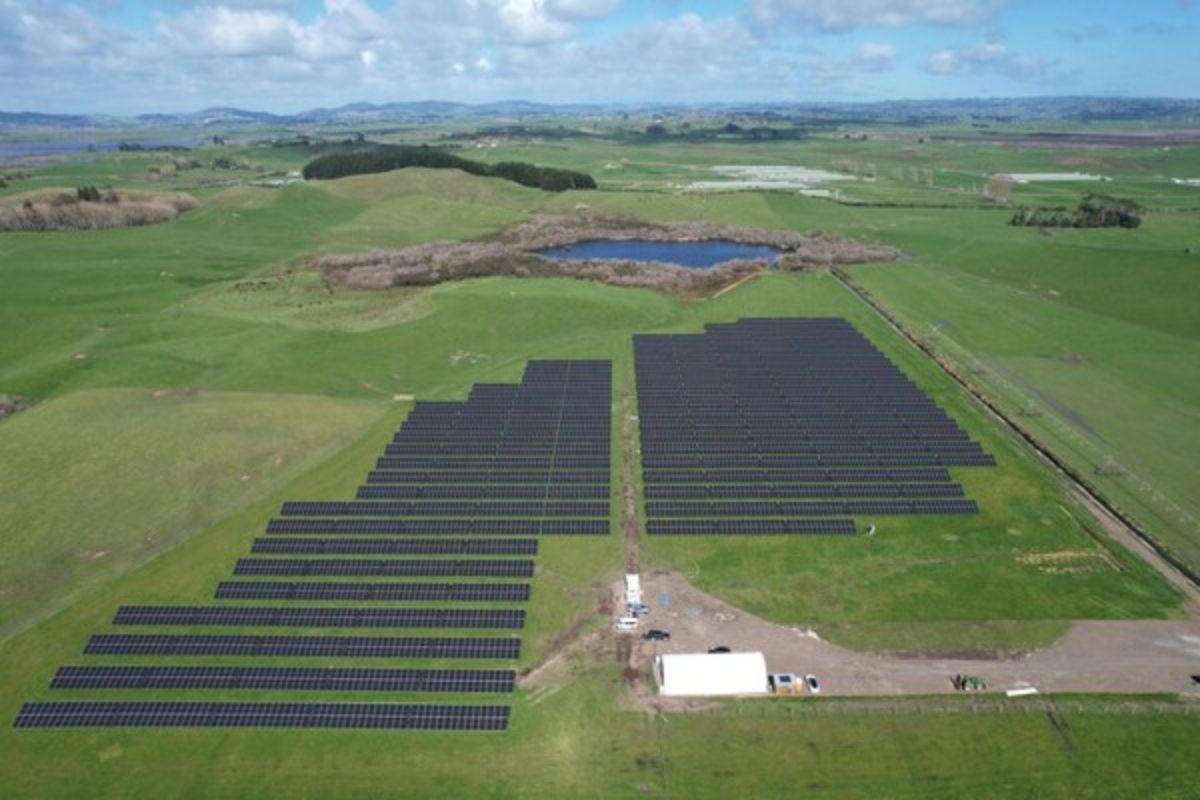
627 624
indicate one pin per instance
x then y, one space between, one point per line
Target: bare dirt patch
11 404
1094 656
167 394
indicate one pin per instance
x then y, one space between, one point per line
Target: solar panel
747 527
323 679
175 714
386 508
154 644
417 592
429 546
459 618
440 527
409 567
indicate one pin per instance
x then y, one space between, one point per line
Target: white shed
711 674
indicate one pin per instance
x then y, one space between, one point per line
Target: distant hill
974 110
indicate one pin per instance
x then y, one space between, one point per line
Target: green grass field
101 481
166 363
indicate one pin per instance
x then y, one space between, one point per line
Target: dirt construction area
1127 657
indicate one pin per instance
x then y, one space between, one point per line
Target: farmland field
187 378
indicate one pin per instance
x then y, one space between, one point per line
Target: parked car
719 649
627 624
639 609
813 685
656 635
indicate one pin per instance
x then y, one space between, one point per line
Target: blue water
16 150
698 255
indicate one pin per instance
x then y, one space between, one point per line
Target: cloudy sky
128 56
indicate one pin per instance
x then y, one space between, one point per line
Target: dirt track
1133 657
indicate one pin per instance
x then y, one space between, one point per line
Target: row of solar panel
532 437
430 547
517 446
152 714
429 567
532 402
664 419
598 491
741 410
322 679
488 477
496 451
499 430
651 461
667 448
689 429
792 432
856 385
747 527
384 508
169 644
438 527
482 618
675 491
568 411
834 475
660 508
446 462
884 433
415 592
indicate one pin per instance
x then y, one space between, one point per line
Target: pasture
211 350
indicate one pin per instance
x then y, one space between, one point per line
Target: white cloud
529 22
875 56
845 15
582 9
484 64
992 57
223 31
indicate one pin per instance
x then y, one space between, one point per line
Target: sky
130 57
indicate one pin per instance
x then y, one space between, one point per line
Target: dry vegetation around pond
77 210
513 253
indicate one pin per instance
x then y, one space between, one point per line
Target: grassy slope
1102 341
103 480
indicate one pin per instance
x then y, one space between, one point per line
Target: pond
697 255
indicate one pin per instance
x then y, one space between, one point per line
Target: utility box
633 589
784 683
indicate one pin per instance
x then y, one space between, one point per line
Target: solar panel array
459 496
788 426
170 644
293 617
337 679
154 714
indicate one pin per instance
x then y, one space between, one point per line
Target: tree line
384 158
1094 211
